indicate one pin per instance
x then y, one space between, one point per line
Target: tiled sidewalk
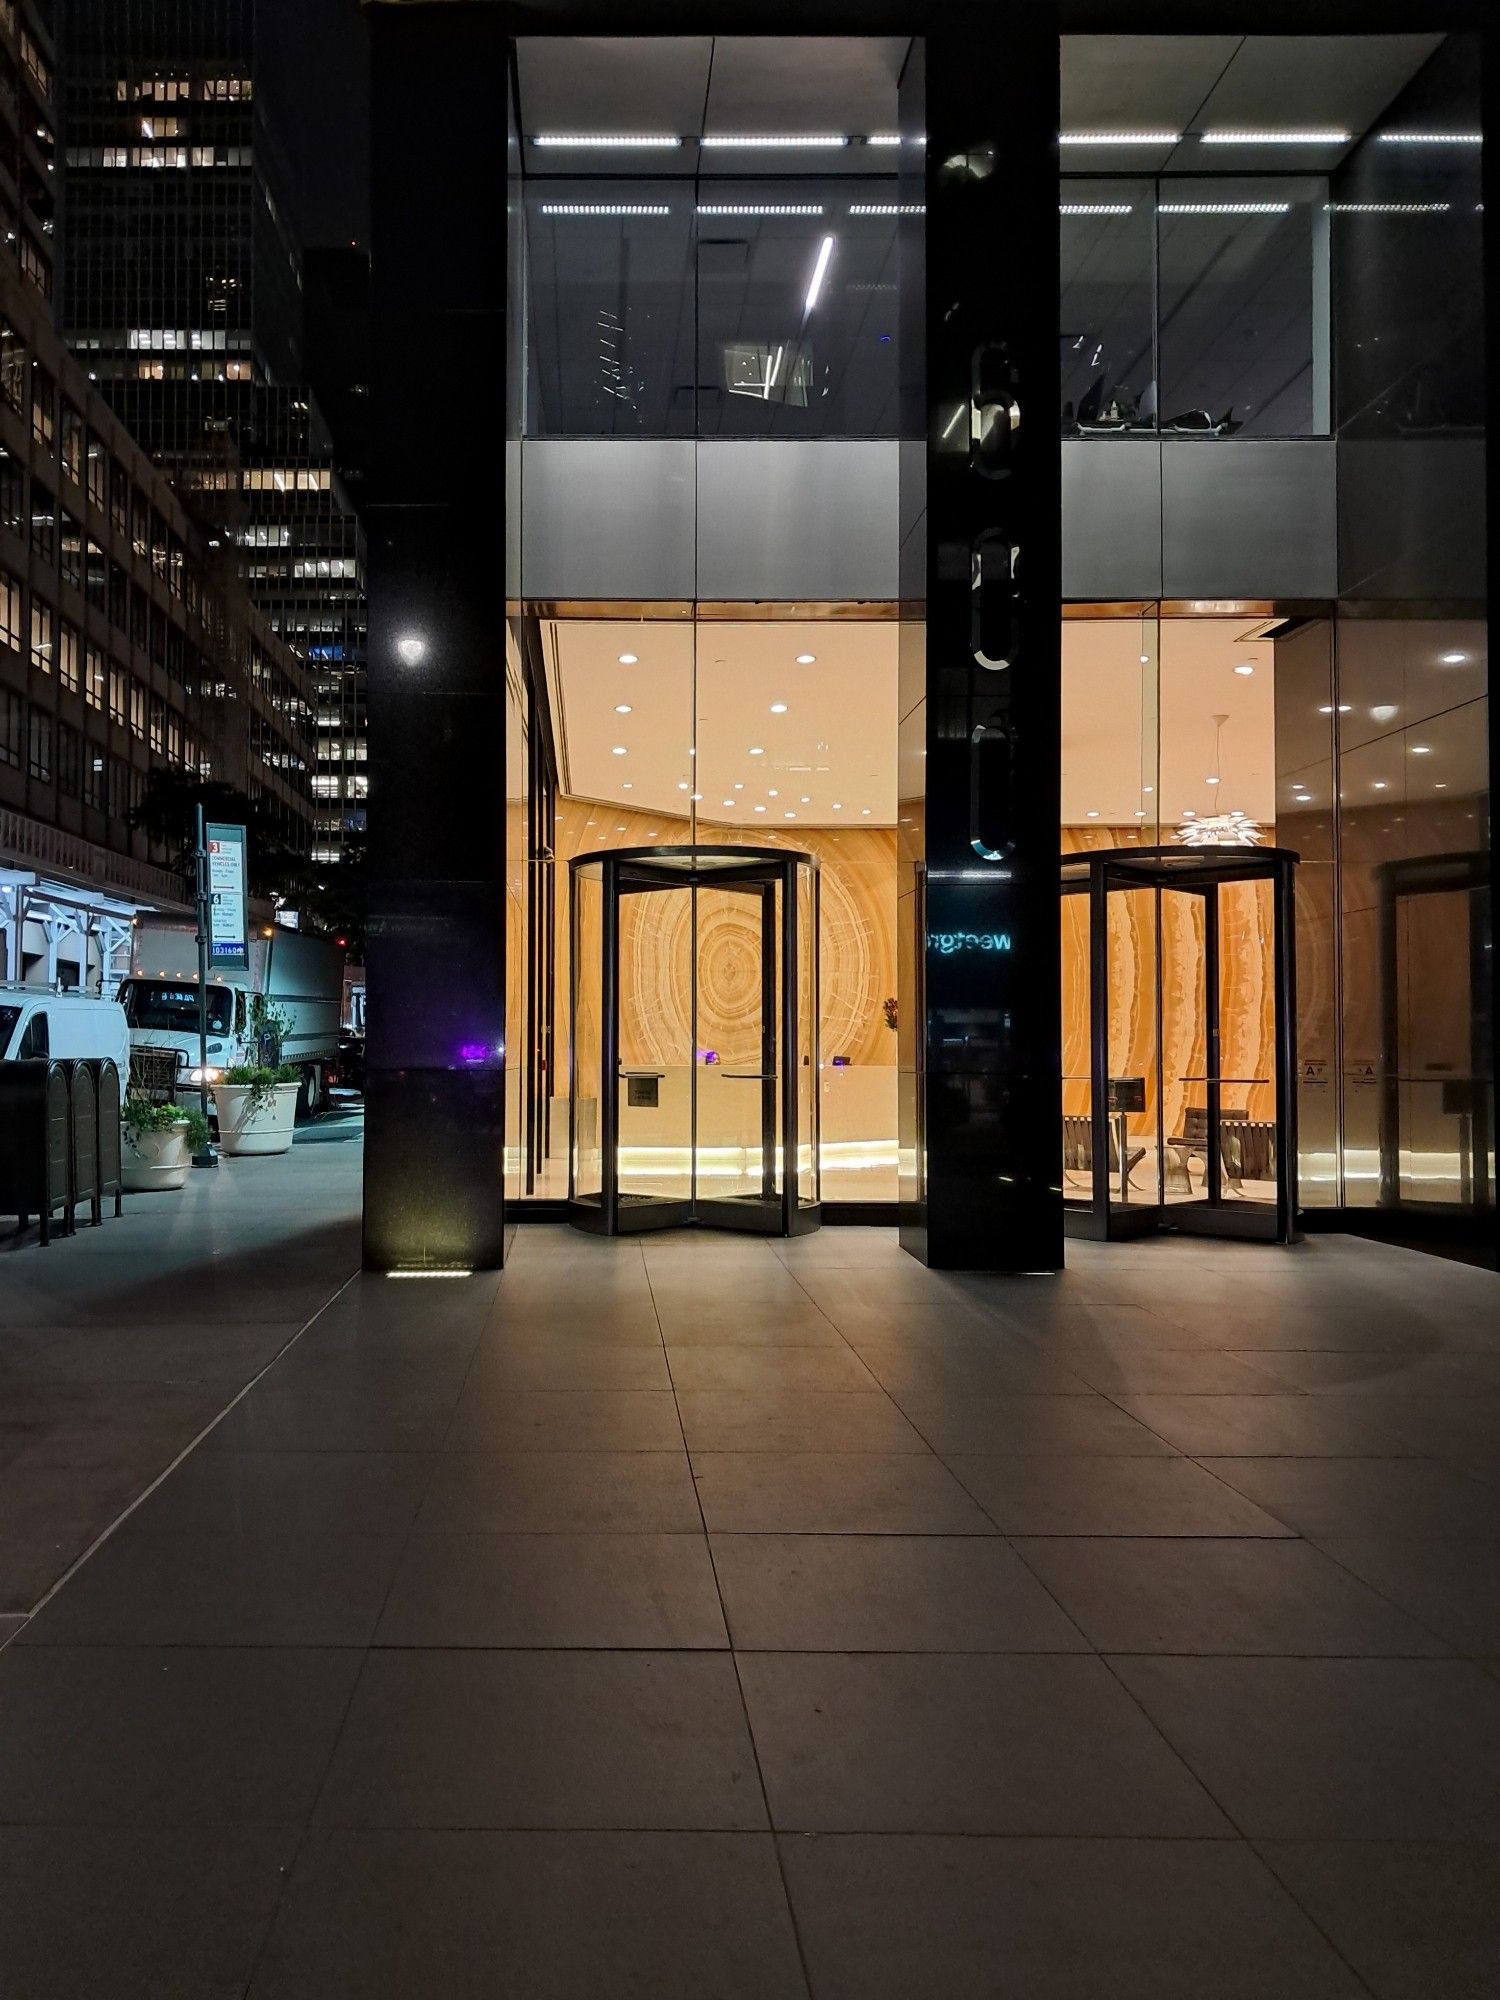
711 1617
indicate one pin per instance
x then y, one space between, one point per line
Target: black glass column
980 656
434 1126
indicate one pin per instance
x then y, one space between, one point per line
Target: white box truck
299 974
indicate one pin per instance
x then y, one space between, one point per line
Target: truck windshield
157 1003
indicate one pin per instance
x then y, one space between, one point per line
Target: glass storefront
1273 634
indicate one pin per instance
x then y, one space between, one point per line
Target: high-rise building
128 643
181 288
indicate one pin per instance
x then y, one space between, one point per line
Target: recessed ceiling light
838 805
772 793
1148 788
623 708
628 659
1245 667
1188 813
738 786
1091 815
628 786
1421 749
1145 659
1210 781
1441 785
682 784
806 798
809 659
757 750
1379 785
1383 711
759 809
1453 659
865 812
697 797
619 750
727 802
778 708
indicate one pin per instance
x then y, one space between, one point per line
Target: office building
828 583
127 641
182 290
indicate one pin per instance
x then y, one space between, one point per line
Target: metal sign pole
205 1156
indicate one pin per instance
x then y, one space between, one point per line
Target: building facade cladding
181 284
126 644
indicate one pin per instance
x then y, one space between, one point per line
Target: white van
64 1026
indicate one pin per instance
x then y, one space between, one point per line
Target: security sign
227 912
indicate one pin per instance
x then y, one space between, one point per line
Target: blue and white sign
228 914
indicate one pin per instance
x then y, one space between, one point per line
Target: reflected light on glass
820 271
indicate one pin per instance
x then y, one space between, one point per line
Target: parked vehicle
298 976
352 1061
35 1022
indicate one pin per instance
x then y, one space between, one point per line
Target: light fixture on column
1218 829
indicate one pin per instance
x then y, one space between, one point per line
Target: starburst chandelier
1218 829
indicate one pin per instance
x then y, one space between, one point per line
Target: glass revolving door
1179 1058
693 999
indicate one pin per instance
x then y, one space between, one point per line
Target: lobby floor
708 1617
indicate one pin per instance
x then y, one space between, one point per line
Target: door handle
994 628
989 791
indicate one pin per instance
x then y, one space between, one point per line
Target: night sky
316 61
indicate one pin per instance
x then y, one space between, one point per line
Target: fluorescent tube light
1386 207
888 208
1223 207
635 141
1317 136
1118 139
774 139
1095 208
766 208
604 208
429 1274
820 271
1430 138
883 139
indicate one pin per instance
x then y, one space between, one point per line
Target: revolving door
693 1039
1179 1058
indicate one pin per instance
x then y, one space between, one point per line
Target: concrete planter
155 1160
267 1129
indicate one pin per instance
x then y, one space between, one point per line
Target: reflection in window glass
1243 307
1105 324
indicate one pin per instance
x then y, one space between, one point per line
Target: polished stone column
980 698
436 946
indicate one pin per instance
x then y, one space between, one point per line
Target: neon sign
949 944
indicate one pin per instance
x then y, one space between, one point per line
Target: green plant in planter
140 1114
270 1025
261 1080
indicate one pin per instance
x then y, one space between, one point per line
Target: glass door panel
1133 1082
805 1038
1247 1042
1186 1049
585 1020
1077 1019
738 1150
654 1083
